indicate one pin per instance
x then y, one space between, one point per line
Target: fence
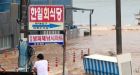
108 65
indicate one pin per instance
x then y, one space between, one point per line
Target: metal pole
118 27
90 23
64 52
20 10
20 19
64 38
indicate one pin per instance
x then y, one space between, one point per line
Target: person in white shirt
41 66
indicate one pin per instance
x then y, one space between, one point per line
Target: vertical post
64 52
90 23
26 21
20 10
64 38
118 27
20 19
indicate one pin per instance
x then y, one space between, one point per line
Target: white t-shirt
42 67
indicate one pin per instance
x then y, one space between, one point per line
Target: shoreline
136 27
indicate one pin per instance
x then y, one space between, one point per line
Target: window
5 42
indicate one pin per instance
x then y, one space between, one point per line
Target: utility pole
90 21
20 19
64 38
118 27
20 10
64 52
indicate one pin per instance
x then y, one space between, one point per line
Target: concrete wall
8 24
4 23
13 24
72 33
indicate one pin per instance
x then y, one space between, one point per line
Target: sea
104 42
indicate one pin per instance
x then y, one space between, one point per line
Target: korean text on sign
44 13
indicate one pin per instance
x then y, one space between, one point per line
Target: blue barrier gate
96 66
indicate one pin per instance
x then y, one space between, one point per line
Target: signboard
46 17
46 39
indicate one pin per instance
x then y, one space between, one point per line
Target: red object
5 54
56 62
81 54
15 50
46 13
74 56
48 66
23 31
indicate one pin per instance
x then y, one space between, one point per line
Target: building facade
8 25
9 13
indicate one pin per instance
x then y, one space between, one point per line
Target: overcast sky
104 11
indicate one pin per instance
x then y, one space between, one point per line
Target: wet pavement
101 42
